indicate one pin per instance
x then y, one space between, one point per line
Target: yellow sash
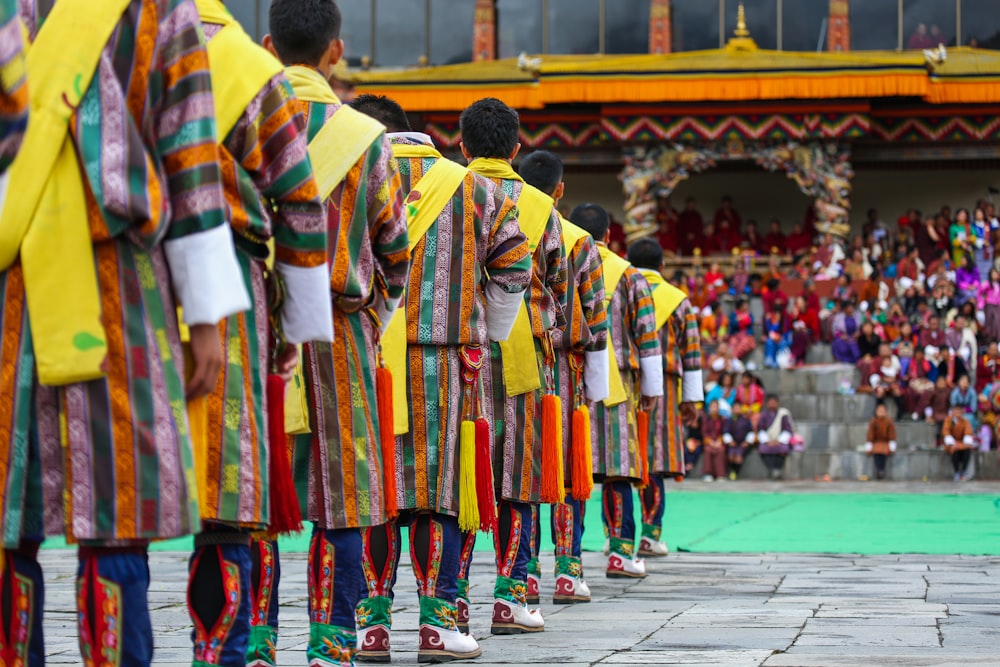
666 297
343 139
436 188
535 209
239 67
571 234
614 269
46 220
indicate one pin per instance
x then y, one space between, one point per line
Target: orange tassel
583 455
642 425
485 495
286 515
383 392
553 474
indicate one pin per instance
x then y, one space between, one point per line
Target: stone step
842 436
915 465
854 408
817 379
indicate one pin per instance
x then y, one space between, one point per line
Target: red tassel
553 475
642 425
484 478
583 463
286 515
383 392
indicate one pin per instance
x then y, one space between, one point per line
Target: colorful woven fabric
13 87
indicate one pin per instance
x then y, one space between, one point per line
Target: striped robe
338 467
517 421
13 89
682 383
111 459
632 332
270 193
476 237
586 330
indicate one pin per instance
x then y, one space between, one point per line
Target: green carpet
867 523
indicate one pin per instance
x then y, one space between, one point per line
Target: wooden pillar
839 32
659 26
484 31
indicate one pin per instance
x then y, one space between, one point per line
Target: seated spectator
775 434
959 441
918 389
805 330
844 291
964 396
774 240
856 267
885 381
881 442
829 256
774 297
845 328
712 324
798 241
725 239
933 334
712 429
741 336
739 283
723 360
723 393
729 215
868 343
751 241
874 290
756 285
700 294
715 279
951 367
750 395
874 226
774 271
989 411
961 338
777 338
739 437
909 270
967 281
988 366
690 228
895 322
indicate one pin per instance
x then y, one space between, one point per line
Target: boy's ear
268 44
336 51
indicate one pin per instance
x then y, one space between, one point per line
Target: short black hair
646 254
542 170
592 219
490 129
302 30
385 110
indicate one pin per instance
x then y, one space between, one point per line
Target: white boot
513 619
652 548
439 645
622 567
570 590
373 644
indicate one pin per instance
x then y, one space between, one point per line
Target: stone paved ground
776 610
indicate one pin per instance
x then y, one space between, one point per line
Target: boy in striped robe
680 340
470 268
338 464
581 366
514 375
636 381
271 197
103 454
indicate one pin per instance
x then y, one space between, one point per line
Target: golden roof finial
741 22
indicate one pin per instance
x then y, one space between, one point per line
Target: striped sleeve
556 272
186 139
589 277
693 384
507 261
642 320
13 84
387 222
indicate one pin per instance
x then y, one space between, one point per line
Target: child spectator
741 337
714 463
844 328
715 279
959 441
919 386
881 442
723 392
751 396
775 431
739 437
868 342
964 396
777 338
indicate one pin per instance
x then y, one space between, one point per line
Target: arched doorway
822 171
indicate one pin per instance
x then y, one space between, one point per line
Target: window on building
519 27
980 23
874 25
695 25
804 25
927 23
452 23
574 26
626 26
356 30
400 32
762 21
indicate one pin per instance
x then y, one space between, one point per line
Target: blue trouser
21 583
653 504
616 496
219 597
512 542
112 585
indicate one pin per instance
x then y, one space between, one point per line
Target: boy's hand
285 362
206 352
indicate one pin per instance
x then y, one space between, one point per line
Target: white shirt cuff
869 446
651 383
751 437
501 311
692 387
307 314
949 440
728 439
969 440
596 369
785 437
762 437
207 279
892 445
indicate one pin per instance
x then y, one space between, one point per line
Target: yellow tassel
583 455
468 503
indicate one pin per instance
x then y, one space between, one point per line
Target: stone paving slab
745 610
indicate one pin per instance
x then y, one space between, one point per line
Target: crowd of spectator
914 305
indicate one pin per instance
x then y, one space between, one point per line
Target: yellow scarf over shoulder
666 297
520 362
45 222
614 269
